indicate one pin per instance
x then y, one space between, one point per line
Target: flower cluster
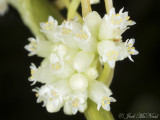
71 52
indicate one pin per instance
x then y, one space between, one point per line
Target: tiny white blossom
52 95
127 49
38 47
108 51
57 63
100 94
67 30
75 102
50 29
114 25
32 46
85 40
32 78
131 50
60 68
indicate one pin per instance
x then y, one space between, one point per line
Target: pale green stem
108 4
35 11
67 4
86 7
73 8
107 75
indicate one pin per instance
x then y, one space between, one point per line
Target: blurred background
135 84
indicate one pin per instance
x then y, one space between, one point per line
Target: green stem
67 4
108 4
73 8
86 7
107 75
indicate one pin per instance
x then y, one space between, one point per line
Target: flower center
105 100
75 102
48 25
112 55
82 35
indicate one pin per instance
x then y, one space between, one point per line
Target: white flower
131 50
127 49
39 47
57 63
78 82
32 78
60 68
114 25
100 94
3 7
108 51
67 31
85 40
76 101
52 95
32 46
41 74
50 29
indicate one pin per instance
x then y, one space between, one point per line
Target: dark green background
135 85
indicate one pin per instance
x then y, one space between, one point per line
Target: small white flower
60 68
127 49
67 31
32 78
114 25
39 47
41 74
131 50
75 102
52 95
32 47
120 19
3 7
57 63
50 29
85 40
105 102
100 94
108 51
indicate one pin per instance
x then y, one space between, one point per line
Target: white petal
82 61
129 56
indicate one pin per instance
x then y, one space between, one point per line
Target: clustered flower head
69 70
